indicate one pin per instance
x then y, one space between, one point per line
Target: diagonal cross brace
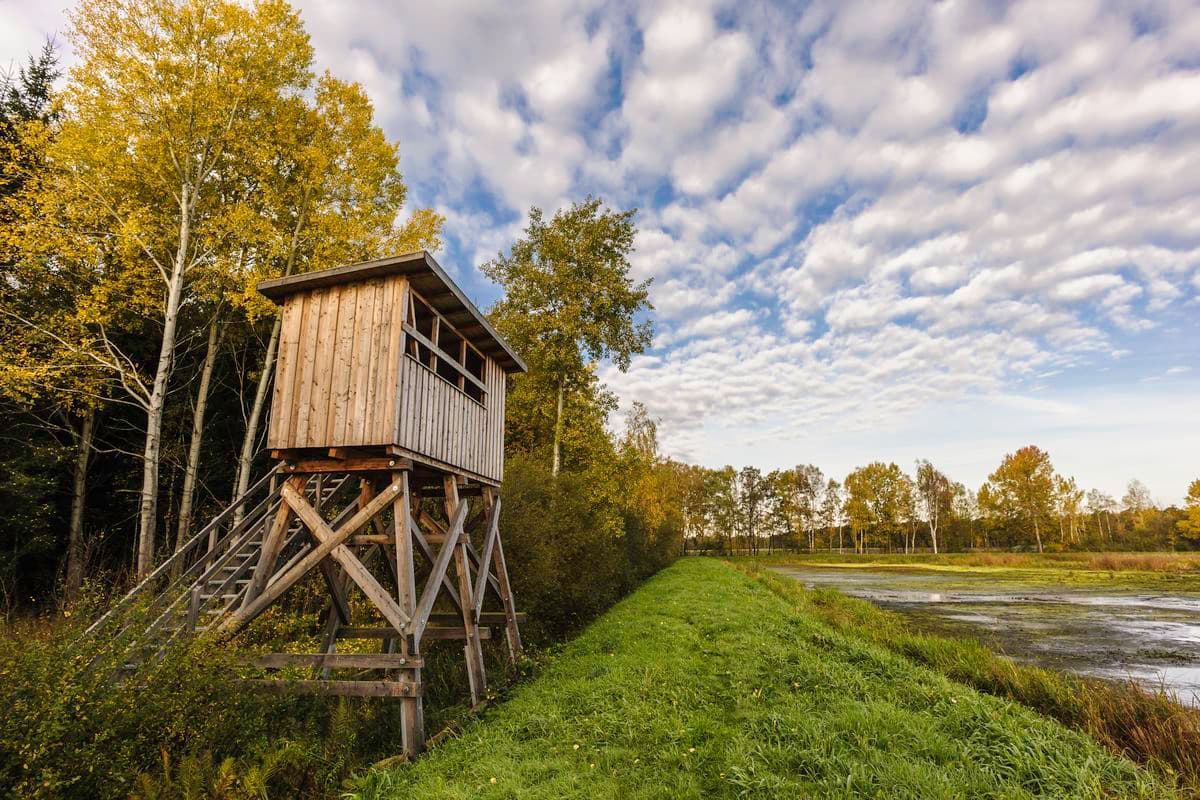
298 570
354 568
438 573
426 519
423 544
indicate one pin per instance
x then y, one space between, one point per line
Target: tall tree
1101 506
38 375
831 510
807 483
935 496
751 493
875 502
164 94
1022 488
1137 502
1189 526
1068 498
330 194
569 301
723 506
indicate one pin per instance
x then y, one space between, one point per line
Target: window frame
428 352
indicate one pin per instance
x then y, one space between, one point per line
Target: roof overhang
429 280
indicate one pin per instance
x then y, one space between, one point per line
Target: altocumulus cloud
857 215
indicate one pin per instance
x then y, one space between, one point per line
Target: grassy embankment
706 683
1147 727
1175 572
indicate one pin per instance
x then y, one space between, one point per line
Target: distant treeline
1024 504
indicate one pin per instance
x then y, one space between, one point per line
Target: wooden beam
284 581
422 542
412 710
509 602
486 618
475 559
268 552
339 688
354 568
370 538
337 590
485 559
472 650
310 466
431 632
337 660
437 575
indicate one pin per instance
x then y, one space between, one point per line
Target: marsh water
1148 637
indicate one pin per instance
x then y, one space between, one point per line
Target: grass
708 682
1147 727
1176 572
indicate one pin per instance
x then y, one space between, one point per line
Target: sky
876 231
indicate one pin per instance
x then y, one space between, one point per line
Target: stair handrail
177 556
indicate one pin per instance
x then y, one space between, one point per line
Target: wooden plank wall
342 380
439 421
336 377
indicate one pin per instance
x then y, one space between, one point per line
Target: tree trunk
148 507
76 553
1037 533
193 456
246 455
558 425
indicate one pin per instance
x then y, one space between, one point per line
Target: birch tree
935 496
569 301
163 92
328 193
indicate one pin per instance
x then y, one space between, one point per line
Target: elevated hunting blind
387 428
390 354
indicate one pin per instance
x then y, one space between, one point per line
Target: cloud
853 216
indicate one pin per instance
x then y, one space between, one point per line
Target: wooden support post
512 631
193 615
472 649
412 709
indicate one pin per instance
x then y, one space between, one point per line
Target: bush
72 727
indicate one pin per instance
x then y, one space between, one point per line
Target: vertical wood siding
342 380
439 421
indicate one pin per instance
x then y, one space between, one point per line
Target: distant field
1165 571
1115 561
707 682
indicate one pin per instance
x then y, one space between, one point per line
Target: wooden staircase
357 521
207 579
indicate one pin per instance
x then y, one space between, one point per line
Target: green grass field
708 683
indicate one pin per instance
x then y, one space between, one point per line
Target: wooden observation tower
387 428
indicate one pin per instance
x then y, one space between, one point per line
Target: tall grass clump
1147 727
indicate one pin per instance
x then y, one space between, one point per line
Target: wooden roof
429 280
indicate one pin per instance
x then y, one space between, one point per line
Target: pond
1153 639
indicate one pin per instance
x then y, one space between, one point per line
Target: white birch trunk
246 455
151 454
558 424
